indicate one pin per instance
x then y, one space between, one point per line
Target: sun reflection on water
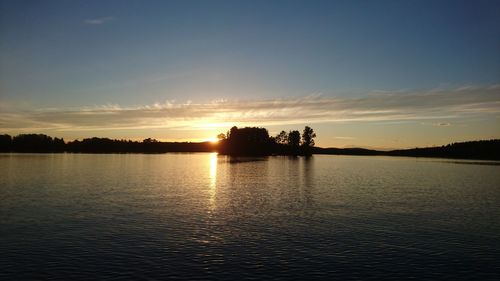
213 179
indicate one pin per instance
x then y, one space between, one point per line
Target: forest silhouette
247 141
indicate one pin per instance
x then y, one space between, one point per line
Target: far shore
37 143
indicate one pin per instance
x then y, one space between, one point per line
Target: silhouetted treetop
281 138
294 138
5 143
308 137
149 140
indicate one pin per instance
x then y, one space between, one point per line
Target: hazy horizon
382 75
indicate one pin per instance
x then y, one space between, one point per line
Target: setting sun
213 140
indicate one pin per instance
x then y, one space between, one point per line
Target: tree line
44 143
482 149
241 141
237 141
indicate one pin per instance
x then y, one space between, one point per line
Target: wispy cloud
379 107
345 138
98 21
442 124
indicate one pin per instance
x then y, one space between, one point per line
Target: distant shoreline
494 162
471 150
317 151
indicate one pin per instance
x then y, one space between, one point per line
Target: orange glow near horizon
213 140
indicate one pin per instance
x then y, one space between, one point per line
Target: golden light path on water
213 179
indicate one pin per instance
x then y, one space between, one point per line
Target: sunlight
213 140
213 178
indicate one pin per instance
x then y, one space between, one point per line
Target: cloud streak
98 21
436 105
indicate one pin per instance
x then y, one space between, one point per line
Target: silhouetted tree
308 136
5 143
281 138
59 144
294 138
149 140
232 132
293 142
221 136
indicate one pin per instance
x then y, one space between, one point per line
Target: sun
213 140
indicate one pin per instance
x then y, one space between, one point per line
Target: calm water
201 216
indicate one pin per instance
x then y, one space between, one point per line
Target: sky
375 74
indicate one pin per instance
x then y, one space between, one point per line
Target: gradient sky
384 74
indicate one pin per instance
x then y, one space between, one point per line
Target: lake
208 216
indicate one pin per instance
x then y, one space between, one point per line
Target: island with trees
251 141
256 141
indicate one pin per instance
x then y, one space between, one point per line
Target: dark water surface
203 216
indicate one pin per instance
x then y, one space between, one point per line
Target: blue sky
62 56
